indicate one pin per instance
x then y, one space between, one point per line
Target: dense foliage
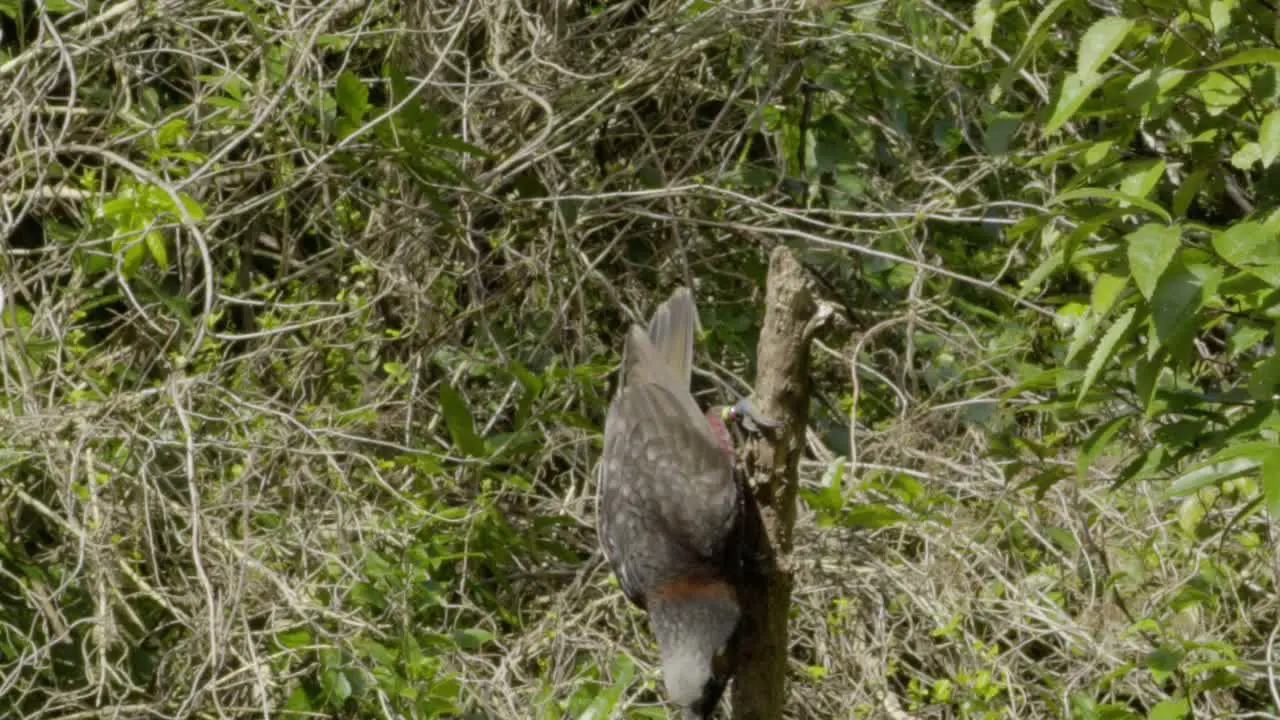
309 314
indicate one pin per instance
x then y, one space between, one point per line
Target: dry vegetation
302 394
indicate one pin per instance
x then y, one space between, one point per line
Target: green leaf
1083 334
134 253
1148 88
1220 14
1097 442
1099 41
457 417
872 516
155 244
1076 89
1001 128
1036 35
1151 248
1271 482
1169 710
1252 247
1187 191
293 639
1143 177
337 687
298 703
984 20
1269 138
352 96
1106 348
1091 193
1220 92
471 638
1264 378
1146 375
1163 662
1106 290
1246 157
1258 56
1230 462
1179 295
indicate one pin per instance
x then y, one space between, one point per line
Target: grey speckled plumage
670 507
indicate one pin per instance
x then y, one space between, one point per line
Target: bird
672 515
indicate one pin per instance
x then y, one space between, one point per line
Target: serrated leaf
1106 290
1106 348
457 417
1151 248
1269 138
1179 295
1248 244
1099 41
1085 328
1146 374
1076 89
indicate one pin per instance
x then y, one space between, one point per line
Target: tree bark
771 463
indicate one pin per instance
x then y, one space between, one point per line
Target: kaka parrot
673 519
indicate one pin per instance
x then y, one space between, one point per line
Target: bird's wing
668 478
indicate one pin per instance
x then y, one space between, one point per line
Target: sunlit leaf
1114 195
1269 138
1099 41
1151 248
1076 89
984 18
1103 353
1169 710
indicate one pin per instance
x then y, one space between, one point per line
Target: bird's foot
745 414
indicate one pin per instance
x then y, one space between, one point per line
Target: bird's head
695 624
742 414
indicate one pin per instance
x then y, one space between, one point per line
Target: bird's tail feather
671 332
